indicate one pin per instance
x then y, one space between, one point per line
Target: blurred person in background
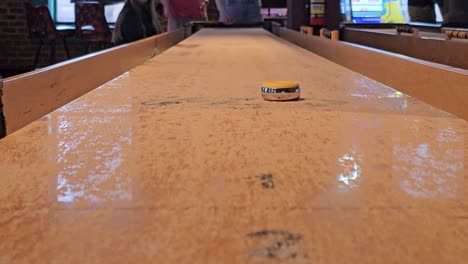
137 20
239 11
181 12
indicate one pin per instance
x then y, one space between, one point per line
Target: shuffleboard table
180 160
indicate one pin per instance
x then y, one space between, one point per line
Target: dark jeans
244 11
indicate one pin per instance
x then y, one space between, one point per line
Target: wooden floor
181 161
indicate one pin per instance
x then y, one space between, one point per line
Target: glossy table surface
181 161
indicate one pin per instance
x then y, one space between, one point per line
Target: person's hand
204 9
226 19
168 11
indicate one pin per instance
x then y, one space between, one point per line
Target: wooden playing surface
181 161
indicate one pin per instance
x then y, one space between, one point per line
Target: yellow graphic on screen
392 12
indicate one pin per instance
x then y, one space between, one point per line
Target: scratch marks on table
276 244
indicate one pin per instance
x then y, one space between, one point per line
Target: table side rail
425 48
30 96
441 86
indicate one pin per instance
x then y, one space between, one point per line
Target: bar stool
42 27
91 24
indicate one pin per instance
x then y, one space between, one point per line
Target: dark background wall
457 15
332 14
298 13
39 2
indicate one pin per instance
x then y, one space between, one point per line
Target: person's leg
254 13
243 11
174 23
235 10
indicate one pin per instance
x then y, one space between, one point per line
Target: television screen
274 3
378 11
274 12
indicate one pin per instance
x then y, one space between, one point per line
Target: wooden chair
42 27
91 24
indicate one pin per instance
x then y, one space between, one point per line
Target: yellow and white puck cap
281 90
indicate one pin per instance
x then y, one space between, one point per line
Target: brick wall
17 51
15 48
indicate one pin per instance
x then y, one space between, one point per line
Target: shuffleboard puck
281 91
